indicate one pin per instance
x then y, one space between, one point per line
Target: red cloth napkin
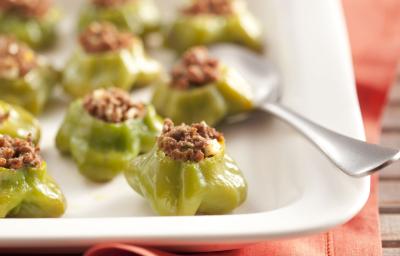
374 28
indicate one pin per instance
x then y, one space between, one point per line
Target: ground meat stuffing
16 59
103 37
109 3
113 105
26 8
4 115
216 7
17 153
189 142
195 69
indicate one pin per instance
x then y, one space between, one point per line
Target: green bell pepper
18 123
37 32
31 91
214 185
206 29
102 150
30 193
124 68
137 16
26 190
210 103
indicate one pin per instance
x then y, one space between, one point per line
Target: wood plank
391 244
394 95
391 118
390 229
389 199
391 172
391 139
391 251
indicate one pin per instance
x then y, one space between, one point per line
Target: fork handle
354 157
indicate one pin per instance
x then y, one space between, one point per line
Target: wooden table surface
389 185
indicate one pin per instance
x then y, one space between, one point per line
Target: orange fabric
373 29
375 39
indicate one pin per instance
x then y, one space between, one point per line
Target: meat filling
109 3
26 8
103 37
4 115
215 7
16 59
189 142
113 105
17 153
195 69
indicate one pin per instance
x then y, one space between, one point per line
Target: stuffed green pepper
108 58
202 88
188 172
25 79
33 22
206 22
26 189
137 16
18 123
105 130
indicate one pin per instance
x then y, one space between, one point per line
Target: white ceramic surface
293 189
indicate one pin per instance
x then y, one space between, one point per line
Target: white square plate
293 189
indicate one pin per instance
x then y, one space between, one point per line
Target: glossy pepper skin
38 33
31 91
210 103
30 193
19 123
214 185
124 68
137 16
241 27
102 150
